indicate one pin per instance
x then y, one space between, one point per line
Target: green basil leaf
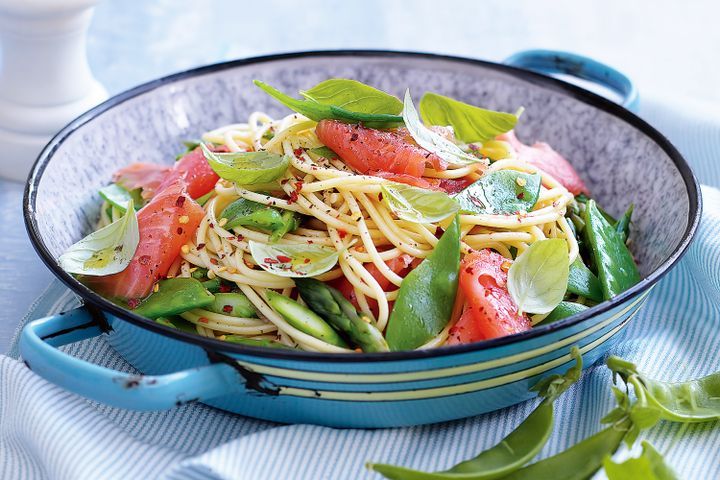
537 279
119 197
650 465
247 168
293 261
427 295
353 96
319 111
582 282
470 123
418 205
105 251
500 193
432 141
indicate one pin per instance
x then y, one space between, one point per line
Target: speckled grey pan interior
621 158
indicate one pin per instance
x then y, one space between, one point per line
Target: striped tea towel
46 432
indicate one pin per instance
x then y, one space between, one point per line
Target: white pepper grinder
45 79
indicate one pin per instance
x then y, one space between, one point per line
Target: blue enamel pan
620 157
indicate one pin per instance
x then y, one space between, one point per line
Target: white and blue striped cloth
46 432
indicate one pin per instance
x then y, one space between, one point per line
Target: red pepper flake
227 308
353 137
293 197
225 288
283 181
203 320
342 233
200 246
179 230
284 258
310 242
180 201
521 195
298 151
240 237
270 261
307 260
469 270
380 197
133 303
214 261
230 238
144 259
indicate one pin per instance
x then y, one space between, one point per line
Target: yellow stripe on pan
450 389
438 373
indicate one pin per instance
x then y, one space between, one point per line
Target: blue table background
670 51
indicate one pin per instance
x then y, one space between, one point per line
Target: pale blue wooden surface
670 52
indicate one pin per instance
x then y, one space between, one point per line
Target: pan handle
38 346
554 61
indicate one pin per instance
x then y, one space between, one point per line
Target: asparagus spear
330 304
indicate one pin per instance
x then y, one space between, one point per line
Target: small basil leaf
293 261
650 465
247 168
418 205
319 111
432 141
470 123
538 277
105 251
582 282
119 197
353 96
501 192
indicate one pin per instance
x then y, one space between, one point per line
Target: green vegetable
353 96
685 402
175 295
165 321
432 141
322 152
212 285
177 323
293 260
317 111
537 279
623 225
582 282
501 192
119 197
234 304
470 123
418 205
243 212
252 342
650 465
304 319
247 168
580 461
204 199
330 304
427 294
614 262
563 310
515 450
105 251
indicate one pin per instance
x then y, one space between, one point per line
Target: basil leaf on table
175 295
317 111
427 295
432 141
501 192
293 260
247 168
616 267
470 123
246 213
120 197
353 96
537 279
418 205
650 465
105 251
582 282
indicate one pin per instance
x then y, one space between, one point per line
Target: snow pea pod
563 310
515 450
427 295
244 212
691 401
253 342
623 225
616 267
173 296
582 282
234 304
